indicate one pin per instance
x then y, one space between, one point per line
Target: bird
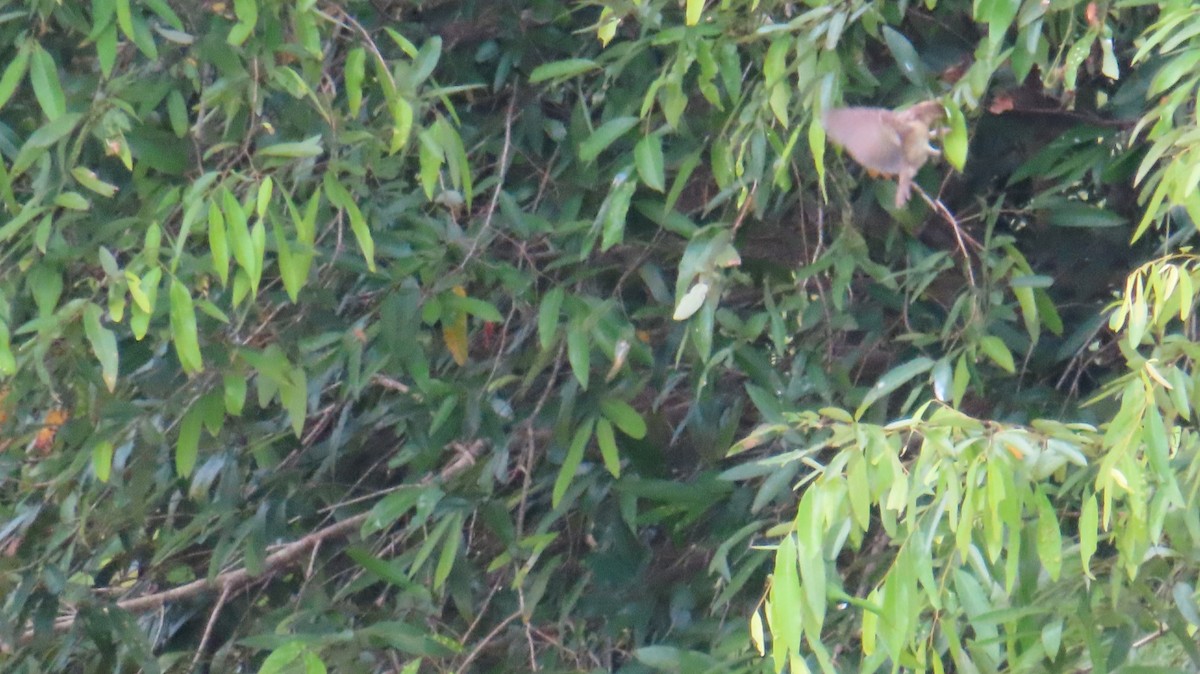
887 142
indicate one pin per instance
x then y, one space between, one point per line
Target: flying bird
888 142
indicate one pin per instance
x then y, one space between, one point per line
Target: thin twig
208 628
528 630
940 208
487 601
485 641
276 561
501 172
737 222
530 445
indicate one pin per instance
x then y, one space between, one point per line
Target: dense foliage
385 336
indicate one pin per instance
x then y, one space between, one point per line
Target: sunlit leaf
625 417
102 456
608 447
561 69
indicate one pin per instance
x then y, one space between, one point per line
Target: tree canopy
535 335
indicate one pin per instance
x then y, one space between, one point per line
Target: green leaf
313 664
104 344
309 147
440 531
292 268
456 158
894 379
955 142
548 312
449 552
1049 538
572 460
1089 521
8 362
354 73
45 283
402 122
780 101
386 570
426 60
608 447
247 14
1185 601
999 16
238 230
624 416
177 113
1027 301
775 62
43 76
125 17
102 456
281 659
164 12
35 146
88 178
262 199
258 242
184 333
995 349
144 292
431 158
106 48
579 351
561 69
613 215
1052 636
409 49
648 157
604 136
72 201
293 394
218 243
859 491
906 56
787 627
340 197
1155 443
661 658
395 505
1075 214
691 302
483 310
14 72
188 444
235 392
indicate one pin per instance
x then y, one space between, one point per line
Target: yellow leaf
454 332
756 633
50 424
608 26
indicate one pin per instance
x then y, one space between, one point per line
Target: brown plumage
893 143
